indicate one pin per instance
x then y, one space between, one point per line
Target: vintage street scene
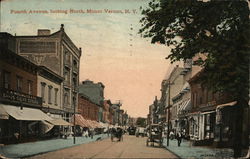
165 79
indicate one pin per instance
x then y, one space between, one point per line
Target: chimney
42 32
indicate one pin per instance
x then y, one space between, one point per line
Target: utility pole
168 107
74 141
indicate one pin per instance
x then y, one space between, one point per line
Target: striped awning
79 120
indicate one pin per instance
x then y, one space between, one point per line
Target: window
30 87
19 83
43 91
49 94
6 80
66 100
56 92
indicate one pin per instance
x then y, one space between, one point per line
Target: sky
112 50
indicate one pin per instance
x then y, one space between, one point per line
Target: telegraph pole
168 112
74 141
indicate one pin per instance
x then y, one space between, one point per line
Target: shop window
6 80
19 83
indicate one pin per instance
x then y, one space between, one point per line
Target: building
116 113
87 108
49 88
173 85
106 111
20 114
58 54
95 92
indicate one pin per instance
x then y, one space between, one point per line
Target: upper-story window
49 94
56 93
66 99
75 63
19 83
6 80
67 57
30 87
43 91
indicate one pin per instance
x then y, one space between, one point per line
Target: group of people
178 136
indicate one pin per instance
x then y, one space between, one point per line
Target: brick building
107 115
87 108
19 106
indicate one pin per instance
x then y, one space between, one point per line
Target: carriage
155 135
117 133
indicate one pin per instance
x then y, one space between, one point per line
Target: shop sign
20 97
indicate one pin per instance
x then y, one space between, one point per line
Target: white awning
226 105
3 113
59 122
25 113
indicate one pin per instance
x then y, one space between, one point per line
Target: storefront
224 125
23 124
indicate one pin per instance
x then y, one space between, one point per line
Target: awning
209 112
185 105
3 113
26 113
226 105
46 127
60 122
80 121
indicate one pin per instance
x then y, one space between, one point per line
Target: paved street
130 147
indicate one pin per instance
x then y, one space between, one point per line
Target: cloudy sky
113 52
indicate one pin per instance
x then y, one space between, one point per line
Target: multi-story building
59 54
20 113
49 88
106 111
95 92
116 109
174 84
87 108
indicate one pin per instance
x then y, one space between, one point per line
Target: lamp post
74 138
168 112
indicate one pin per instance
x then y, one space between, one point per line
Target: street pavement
187 151
130 147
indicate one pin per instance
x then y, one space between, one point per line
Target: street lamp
74 137
168 111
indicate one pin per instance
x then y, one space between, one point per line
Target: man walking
178 137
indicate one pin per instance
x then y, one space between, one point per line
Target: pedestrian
171 135
178 137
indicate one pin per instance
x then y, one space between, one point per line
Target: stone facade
59 54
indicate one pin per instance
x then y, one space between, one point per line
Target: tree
217 29
141 122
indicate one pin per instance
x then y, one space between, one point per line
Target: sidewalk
38 147
188 151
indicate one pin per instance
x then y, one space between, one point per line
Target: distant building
87 108
95 93
106 111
